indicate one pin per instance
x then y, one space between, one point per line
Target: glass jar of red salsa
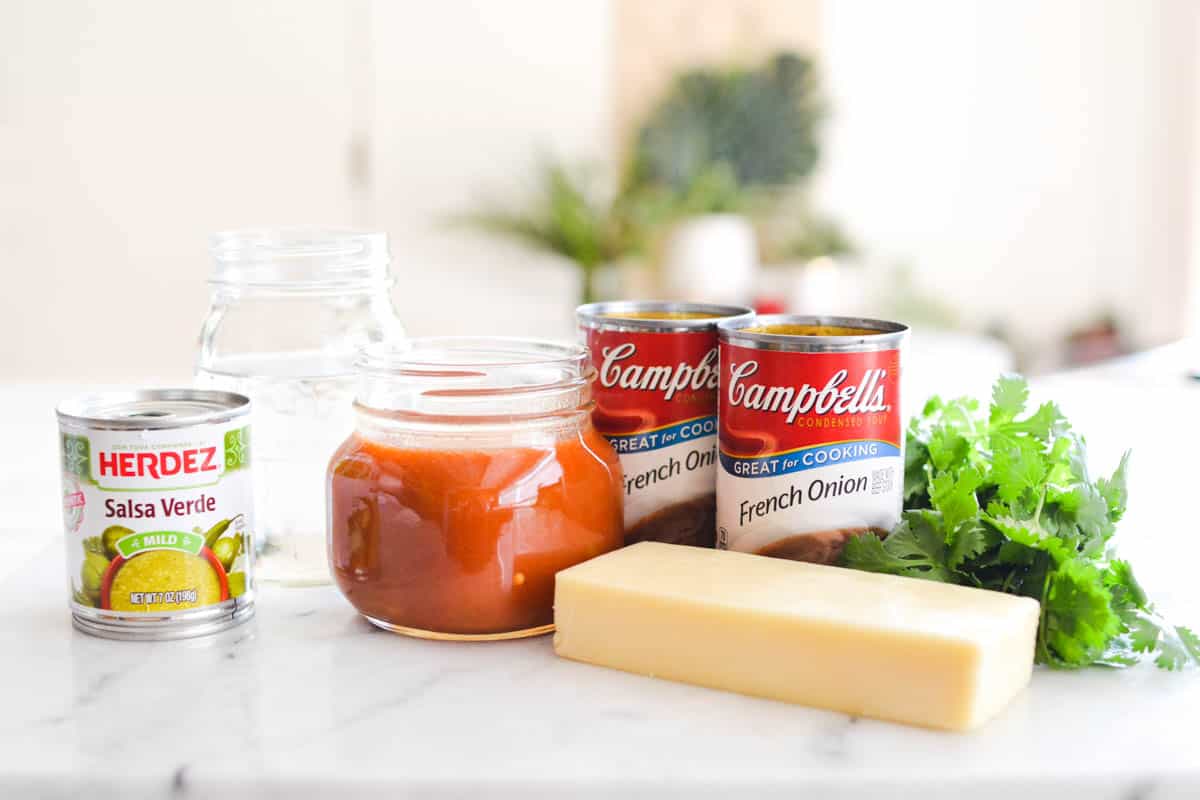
473 476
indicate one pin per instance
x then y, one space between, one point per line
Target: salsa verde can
812 440
158 511
656 402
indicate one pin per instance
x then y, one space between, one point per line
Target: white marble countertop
307 700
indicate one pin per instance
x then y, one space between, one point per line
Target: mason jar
473 475
289 310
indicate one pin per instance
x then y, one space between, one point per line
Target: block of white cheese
880 646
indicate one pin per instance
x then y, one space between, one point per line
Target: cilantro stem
1042 631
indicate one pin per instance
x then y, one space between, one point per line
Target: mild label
811 450
656 403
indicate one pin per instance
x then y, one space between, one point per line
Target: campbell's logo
618 370
654 389
836 396
158 464
782 402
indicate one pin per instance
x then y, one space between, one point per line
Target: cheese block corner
899 649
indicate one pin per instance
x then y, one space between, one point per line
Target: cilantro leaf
1143 632
916 548
924 540
915 483
970 540
1126 590
1017 466
866 552
1180 650
1113 489
1031 534
1068 456
1043 424
1091 513
955 497
1008 398
1078 621
947 447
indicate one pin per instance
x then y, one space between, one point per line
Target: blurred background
1018 178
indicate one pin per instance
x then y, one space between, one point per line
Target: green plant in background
721 141
567 217
791 231
737 141
811 237
647 211
760 123
908 301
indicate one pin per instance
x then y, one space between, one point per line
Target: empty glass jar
289 310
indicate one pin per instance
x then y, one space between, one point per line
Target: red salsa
464 543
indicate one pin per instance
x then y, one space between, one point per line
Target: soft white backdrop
1034 162
130 130
1032 159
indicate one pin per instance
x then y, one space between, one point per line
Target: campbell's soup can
655 391
158 512
811 434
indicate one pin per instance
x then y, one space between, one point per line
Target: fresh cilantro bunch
1004 501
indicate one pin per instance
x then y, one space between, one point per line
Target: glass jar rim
300 258
474 377
431 353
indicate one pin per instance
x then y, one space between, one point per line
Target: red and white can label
811 449
656 403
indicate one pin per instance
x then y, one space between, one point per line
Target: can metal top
152 409
868 334
627 315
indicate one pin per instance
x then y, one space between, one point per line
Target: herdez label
656 403
811 450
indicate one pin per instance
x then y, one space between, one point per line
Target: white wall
128 132
467 95
1029 159
1034 161
131 129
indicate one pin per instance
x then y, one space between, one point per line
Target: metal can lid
661 316
152 409
862 333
